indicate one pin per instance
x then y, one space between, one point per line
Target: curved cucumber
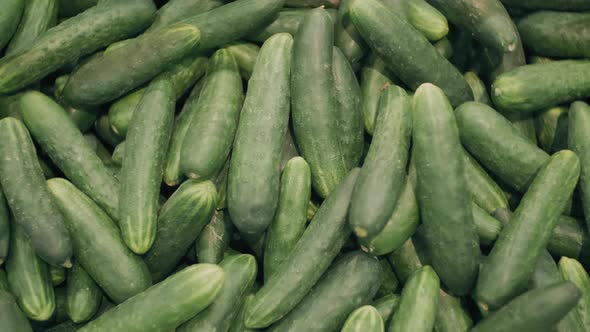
571 270
578 141
83 295
426 19
451 316
13 318
5 227
38 16
364 319
254 172
177 10
375 77
245 55
12 11
214 238
347 38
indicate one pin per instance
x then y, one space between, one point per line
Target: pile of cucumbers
294 165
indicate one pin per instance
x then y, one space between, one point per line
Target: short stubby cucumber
83 295
364 319
38 16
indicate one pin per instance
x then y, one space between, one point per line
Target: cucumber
451 316
103 130
578 124
351 281
306 263
240 274
38 16
314 104
571 5
68 8
488 227
254 172
507 269
220 182
569 238
405 260
381 179
552 129
119 153
557 82
28 277
98 246
33 208
349 106
534 310
389 281
84 34
442 194
347 38
57 275
445 48
485 192
13 318
210 135
141 174
286 20
180 220
214 238
177 10
5 227
418 304
83 295
190 290
12 11
478 88
291 216
571 270
386 306
238 323
312 3
413 65
498 145
83 118
426 19
64 143
245 55
375 77
364 319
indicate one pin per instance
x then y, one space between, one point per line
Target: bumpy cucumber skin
451 316
62 140
364 319
351 281
83 295
375 77
141 174
579 126
375 21
245 54
210 135
12 11
552 128
13 318
571 5
571 270
347 38
177 10
381 179
291 216
73 38
442 194
180 220
254 172
484 190
508 267
498 145
240 274
119 272
214 238
314 107
190 291
38 16
34 208
312 255
4 228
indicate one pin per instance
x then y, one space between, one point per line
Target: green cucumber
389 281
291 216
386 306
84 34
556 82
98 246
351 281
119 154
311 257
405 260
571 5
220 182
451 315
180 220
240 274
254 172
375 77
210 135
579 123
534 310
103 130
570 238
364 319
141 174
347 38
64 143
57 275
552 129
488 227
418 305
484 190
442 194
13 319
12 11
286 20
426 19
38 16
381 179
413 65
214 238
507 269
498 145
83 117
190 291
5 227
445 48
245 55
177 10
121 111
238 322
312 3
571 270
29 200
83 295
68 8
314 104
478 88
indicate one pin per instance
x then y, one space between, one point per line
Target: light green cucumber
12 11
364 319
426 19
571 270
214 238
38 17
245 54
374 78
552 129
83 295
445 48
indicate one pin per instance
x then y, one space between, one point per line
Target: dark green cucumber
28 277
478 88
245 55
68 149
571 270
484 190
103 130
57 275
389 281
214 238
534 310
442 194
5 227
571 5
12 11
552 128
351 281
291 216
364 319
413 65
375 77
97 27
418 304
13 319
286 20
210 135
314 104
254 172
180 220
177 10
579 124
38 17
557 82
507 269
386 306
347 38
312 3
190 291
26 192
569 238
451 315
83 295
381 179
141 174
83 118
498 145
119 272
240 274
319 245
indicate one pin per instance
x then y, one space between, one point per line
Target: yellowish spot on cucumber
360 232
